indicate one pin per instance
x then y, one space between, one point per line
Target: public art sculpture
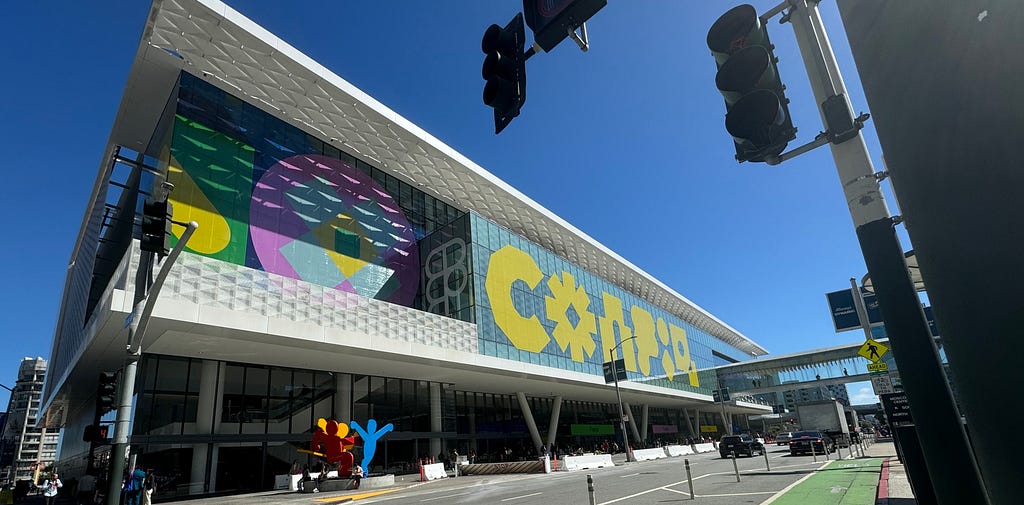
370 436
333 441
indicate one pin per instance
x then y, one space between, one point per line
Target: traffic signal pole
950 462
136 331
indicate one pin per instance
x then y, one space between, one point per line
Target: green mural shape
212 175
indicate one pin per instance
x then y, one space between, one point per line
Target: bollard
735 466
689 479
590 489
814 453
767 465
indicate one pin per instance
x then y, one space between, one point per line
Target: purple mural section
323 221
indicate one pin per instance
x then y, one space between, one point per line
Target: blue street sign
844 312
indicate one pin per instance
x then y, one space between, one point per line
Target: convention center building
349 266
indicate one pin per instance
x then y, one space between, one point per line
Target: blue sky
625 141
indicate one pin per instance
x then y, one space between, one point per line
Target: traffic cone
423 474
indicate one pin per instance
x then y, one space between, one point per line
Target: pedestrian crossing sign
872 351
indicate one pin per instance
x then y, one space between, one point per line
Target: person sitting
357 475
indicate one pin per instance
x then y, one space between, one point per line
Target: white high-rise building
26 449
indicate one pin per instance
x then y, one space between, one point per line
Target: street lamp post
618 396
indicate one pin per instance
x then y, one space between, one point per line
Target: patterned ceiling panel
230 51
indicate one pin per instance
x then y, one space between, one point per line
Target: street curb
882 498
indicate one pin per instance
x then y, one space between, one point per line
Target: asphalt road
659 481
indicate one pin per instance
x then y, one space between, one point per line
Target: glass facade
537 307
258 417
271 197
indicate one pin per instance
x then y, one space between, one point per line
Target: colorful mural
660 349
307 217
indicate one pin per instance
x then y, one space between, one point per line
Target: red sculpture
331 442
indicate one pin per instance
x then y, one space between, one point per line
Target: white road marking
443 497
518 497
630 475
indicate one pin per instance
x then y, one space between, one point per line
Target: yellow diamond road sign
873 351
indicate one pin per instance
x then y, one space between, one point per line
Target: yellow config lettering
612 316
508 265
666 355
681 350
646 343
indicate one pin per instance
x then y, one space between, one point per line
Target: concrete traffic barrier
587 462
702 448
649 454
678 450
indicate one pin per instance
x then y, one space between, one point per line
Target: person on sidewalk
357 475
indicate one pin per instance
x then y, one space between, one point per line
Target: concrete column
556 410
689 424
632 423
435 418
645 418
696 421
208 412
343 398
524 406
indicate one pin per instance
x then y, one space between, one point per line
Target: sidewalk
876 479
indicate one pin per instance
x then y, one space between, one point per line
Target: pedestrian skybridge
832 366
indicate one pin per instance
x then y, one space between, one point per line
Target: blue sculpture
370 437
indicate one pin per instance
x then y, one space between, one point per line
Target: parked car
802 441
783 438
740 444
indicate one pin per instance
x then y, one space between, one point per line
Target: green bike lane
842 482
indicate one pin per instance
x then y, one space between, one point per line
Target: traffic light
505 70
106 391
95 433
156 226
552 20
757 114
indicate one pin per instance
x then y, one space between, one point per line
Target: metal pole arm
141 321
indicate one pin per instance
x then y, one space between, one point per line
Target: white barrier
434 471
649 454
678 450
699 448
587 462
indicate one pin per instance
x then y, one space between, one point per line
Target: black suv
803 441
740 444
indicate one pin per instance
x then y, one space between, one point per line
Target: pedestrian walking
50 487
148 488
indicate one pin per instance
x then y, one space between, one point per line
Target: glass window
172 374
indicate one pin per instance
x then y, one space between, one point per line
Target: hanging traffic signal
757 114
156 226
106 391
553 20
505 70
